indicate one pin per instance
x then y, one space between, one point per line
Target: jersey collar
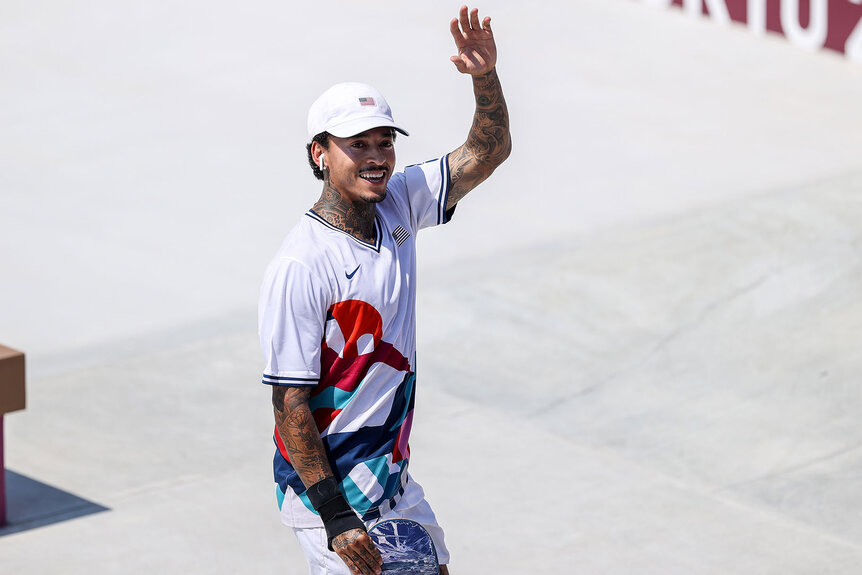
378 230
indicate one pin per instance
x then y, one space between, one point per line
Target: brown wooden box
12 396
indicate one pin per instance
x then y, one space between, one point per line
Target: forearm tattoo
488 143
299 433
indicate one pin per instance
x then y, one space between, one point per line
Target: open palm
477 51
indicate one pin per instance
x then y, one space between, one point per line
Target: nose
377 156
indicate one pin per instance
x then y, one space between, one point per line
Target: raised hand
477 51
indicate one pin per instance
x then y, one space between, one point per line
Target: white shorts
412 505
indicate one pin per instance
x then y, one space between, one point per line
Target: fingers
474 40
459 64
372 556
474 19
468 21
464 17
358 567
358 552
456 31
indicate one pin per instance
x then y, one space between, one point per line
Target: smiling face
360 166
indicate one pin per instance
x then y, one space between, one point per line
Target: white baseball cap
348 109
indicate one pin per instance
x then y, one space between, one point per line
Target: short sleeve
291 317
427 189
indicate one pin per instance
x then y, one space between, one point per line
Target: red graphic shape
402 448
281 448
323 416
357 318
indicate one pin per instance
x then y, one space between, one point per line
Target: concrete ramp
697 376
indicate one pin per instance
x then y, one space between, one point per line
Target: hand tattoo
346 539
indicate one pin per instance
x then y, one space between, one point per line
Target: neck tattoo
355 218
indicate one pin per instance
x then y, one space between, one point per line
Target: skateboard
406 548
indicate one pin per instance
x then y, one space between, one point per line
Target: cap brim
359 125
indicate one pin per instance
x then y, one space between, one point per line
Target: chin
375 198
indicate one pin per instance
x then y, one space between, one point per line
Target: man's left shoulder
396 192
397 183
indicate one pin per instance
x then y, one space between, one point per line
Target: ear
317 151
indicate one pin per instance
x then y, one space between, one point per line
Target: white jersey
338 314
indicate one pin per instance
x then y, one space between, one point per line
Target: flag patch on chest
400 235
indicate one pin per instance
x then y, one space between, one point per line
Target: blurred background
638 340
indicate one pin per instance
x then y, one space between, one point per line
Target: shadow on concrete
31 504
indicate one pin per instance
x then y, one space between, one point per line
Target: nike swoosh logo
353 273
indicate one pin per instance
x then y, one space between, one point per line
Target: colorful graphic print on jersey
363 408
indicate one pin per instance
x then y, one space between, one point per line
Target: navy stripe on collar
378 229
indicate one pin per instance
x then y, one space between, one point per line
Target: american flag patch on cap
400 235
366 101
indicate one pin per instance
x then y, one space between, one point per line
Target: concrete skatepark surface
637 342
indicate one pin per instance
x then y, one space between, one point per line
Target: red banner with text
810 24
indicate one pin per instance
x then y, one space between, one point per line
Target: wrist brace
336 513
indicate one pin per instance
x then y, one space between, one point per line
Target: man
337 312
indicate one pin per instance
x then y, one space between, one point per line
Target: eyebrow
367 134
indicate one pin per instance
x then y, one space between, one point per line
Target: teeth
371 175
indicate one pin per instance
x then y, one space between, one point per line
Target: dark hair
323 139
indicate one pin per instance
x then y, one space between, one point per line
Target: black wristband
336 513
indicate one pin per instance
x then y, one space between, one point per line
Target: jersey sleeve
426 188
291 316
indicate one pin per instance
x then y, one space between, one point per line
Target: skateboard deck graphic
406 548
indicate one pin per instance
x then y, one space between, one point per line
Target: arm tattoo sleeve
299 433
488 143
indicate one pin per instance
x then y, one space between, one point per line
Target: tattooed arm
299 433
489 141
301 438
